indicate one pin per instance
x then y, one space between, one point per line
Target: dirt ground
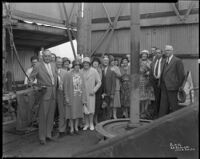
28 145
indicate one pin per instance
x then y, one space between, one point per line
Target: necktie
105 70
156 71
59 80
167 60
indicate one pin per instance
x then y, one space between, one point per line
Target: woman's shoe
71 132
86 127
92 127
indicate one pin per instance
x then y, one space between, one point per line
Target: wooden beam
16 14
38 29
108 16
70 16
35 39
31 43
68 31
113 28
193 19
192 3
147 16
135 50
101 40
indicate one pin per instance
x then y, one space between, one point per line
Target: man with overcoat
171 80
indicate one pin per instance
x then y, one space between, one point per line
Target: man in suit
46 74
60 97
155 74
108 84
171 80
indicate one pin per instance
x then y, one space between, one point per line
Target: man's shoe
62 134
76 132
51 139
42 142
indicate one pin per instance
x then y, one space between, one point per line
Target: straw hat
86 59
144 52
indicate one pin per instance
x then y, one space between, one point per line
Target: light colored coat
47 104
92 83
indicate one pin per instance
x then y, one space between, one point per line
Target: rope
12 44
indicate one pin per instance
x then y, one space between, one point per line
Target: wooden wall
184 38
24 54
159 26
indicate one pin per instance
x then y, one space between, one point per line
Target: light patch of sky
64 50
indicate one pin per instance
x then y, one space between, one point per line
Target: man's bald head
46 52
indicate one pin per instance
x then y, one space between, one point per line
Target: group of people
161 76
88 91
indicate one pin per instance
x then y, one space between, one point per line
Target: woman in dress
145 89
125 87
116 101
75 96
92 83
98 100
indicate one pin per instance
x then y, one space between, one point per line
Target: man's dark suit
171 80
108 84
156 87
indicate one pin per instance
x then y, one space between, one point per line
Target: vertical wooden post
79 31
87 28
4 55
135 49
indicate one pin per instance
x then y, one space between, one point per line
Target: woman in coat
92 83
75 96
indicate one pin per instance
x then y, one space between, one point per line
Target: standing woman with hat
125 87
92 83
145 89
115 103
98 99
75 96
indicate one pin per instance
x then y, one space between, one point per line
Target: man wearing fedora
171 80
